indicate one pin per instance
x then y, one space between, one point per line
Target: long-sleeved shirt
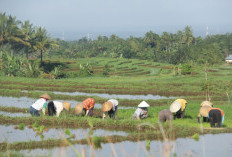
139 112
88 103
114 102
40 104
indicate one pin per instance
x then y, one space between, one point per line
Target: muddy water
208 145
117 96
8 133
25 102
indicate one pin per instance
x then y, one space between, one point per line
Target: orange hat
66 105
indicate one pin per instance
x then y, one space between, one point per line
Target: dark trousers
90 112
112 113
215 116
34 112
179 114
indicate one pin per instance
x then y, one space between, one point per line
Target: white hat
143 104
175 106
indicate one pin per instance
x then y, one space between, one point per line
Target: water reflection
8 133
208 145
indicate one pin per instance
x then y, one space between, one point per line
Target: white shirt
114 102
39 104
139 112
59 107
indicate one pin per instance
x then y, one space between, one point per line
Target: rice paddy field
130 81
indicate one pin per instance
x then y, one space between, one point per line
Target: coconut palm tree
3 25
13 34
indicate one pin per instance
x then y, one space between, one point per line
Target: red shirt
88 103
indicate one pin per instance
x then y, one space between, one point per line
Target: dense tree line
25 39
168 47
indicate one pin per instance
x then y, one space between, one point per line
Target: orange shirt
88 103
217 109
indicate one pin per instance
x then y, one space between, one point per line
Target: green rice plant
35 125
148 142
68 132
21 126
196 137
97 142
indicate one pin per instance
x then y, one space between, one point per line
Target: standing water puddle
208 145
25 102
117 96
9 134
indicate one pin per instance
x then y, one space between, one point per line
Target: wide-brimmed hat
206 103
107 106
78 108
204 111
175 106
46 96
143 104
66 105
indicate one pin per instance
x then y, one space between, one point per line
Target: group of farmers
177 109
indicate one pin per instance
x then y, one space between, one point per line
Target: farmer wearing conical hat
142 111
56 107
178 108
88 106
204 111
40 104
111 107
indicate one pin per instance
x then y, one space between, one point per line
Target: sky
72 17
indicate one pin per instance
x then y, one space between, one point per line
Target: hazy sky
121 15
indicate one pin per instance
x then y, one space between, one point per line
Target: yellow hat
204 111
46 96
66 105
107 106
78 108
206 103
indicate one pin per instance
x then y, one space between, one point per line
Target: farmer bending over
111 107
40 104
142 111
178 108
56 107
88 106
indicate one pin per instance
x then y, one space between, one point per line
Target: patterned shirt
88 103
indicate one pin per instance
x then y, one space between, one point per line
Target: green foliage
32 69
68 132
97 142
57 72
106 70
196 137
35 125
86 70
186 69
21 126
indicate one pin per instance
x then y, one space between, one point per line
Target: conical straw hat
78 108
206 103
175 106
46 96
143 104
204 111
66 105
107 106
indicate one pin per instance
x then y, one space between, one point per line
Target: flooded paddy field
207 145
